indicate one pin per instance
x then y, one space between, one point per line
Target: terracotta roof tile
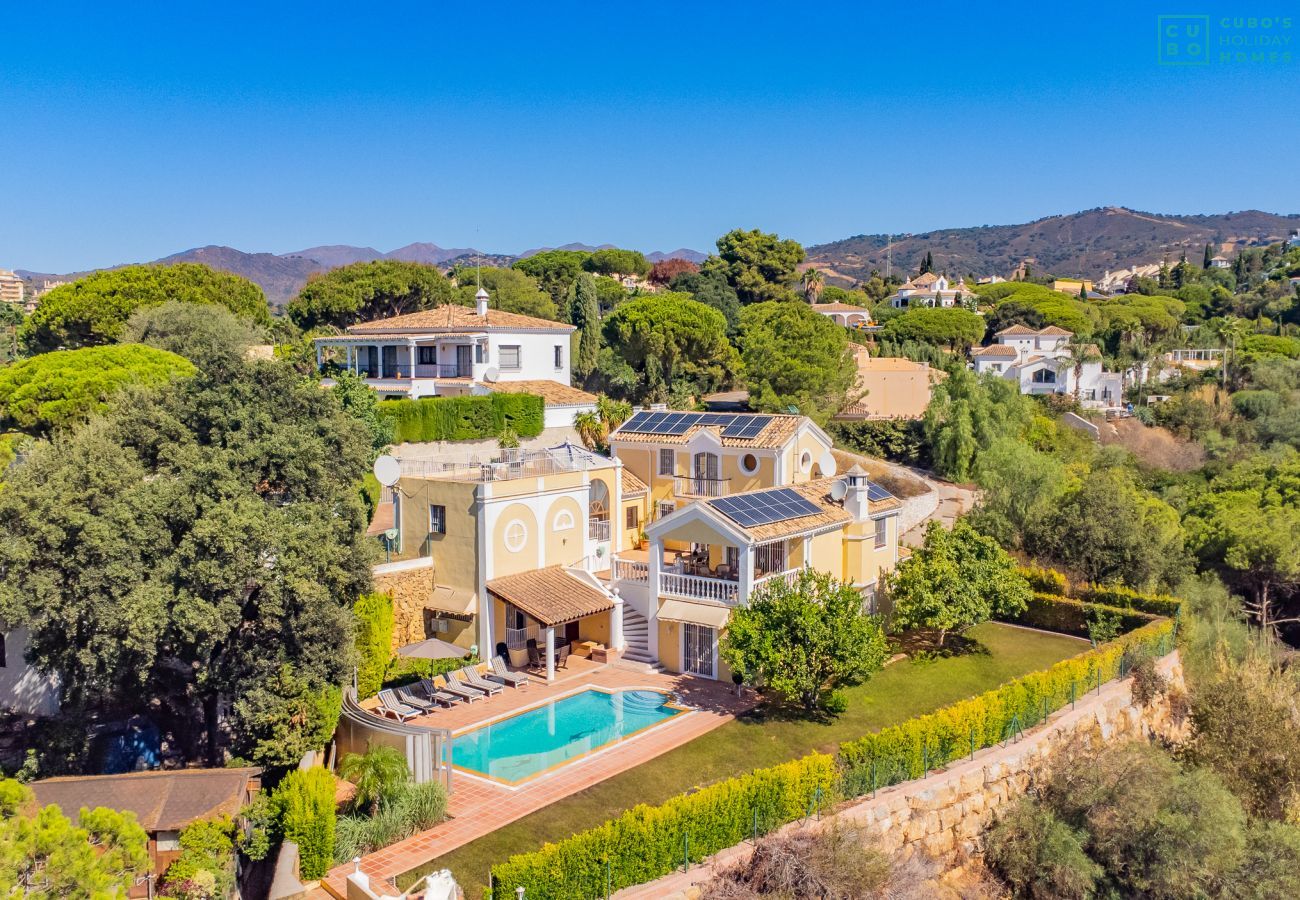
551 595
554 393
453 317
997 350
839 307
632 486
829 514
1055 331
162 801
1018 329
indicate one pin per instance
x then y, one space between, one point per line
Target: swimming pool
528 743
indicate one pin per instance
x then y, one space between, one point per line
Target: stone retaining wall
411 590
944 816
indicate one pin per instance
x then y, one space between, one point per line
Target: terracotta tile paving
478 806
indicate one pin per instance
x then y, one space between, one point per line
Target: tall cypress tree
1209 255
584 313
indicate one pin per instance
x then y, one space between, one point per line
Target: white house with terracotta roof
846 314
1040 361
453 350
929 289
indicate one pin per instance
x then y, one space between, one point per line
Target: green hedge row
912 748
1124 598
1061 614
463 418
647 842
1046 581
374 641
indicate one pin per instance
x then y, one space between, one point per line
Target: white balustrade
720 590
631 570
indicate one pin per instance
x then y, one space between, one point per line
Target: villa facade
1039 361
453 350
641 554
930 289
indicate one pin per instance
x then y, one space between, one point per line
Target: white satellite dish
387 470
839 490
826 463
491 374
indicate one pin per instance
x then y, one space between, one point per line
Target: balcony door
464 360
697 650
705 480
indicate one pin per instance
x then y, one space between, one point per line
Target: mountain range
1083 244
282 275
1079 244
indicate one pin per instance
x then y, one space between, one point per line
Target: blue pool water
531 742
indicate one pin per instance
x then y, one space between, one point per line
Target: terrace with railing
510 464
694 486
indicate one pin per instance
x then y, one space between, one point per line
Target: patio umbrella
432 648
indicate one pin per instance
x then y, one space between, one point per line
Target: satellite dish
826 463
391 534
839 490
491 374
387 470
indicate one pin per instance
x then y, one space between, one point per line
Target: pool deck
479 806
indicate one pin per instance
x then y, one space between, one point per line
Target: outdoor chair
411 698
562 657
437 694
455 686
535 659
505 676
472 679
390 705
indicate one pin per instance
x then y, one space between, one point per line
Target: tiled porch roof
551 595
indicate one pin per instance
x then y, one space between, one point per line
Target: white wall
536 356
22 688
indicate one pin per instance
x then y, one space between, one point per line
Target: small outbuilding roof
162 801
551 595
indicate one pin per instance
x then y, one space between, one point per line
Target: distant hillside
1083 244
335 255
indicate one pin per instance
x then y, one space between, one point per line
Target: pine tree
584 313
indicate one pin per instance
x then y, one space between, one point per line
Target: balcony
695 486
699 587
451 371
598 529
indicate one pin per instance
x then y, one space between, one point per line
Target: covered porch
398 357
710 570
555 614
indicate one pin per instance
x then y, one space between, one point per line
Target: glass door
697 650
463 360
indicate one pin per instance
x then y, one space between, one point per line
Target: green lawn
903 690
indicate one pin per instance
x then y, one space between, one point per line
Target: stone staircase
636 637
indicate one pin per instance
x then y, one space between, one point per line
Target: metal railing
598 529
631 570
511 464
699 587
693 486
452 371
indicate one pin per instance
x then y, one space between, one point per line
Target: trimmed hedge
305 801
1046 581
1068 616
1124 598
374 641
463 418
647 842
910 749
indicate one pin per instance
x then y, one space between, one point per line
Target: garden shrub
1127 598
374 641
207 846
647 842
464 418
904 751
307 817
412 809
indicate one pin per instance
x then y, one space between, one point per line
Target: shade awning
450 600
551 595
695 613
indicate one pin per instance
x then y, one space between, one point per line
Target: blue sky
136 130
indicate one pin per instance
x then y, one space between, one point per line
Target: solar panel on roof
876 492
765 507
636 422
746 426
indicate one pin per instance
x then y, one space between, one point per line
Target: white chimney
855 500
481 302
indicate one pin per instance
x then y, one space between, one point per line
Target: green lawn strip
901 691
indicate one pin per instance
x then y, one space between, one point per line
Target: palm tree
590 429
1080 355
1231 329
378 774
613 413
813 281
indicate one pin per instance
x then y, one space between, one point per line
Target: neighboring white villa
453 350
929 290
1220 262
1117 282
846 314
1039 360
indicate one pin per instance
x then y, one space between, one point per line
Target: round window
516 536
805 462
749 463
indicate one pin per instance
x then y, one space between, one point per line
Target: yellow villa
641 554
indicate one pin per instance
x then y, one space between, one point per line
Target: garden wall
944 815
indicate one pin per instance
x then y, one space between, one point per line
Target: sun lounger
436 694
390 705
411 698
505 676
469 692
471 676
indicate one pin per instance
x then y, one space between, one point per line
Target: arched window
563 520
598 506
1044 376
